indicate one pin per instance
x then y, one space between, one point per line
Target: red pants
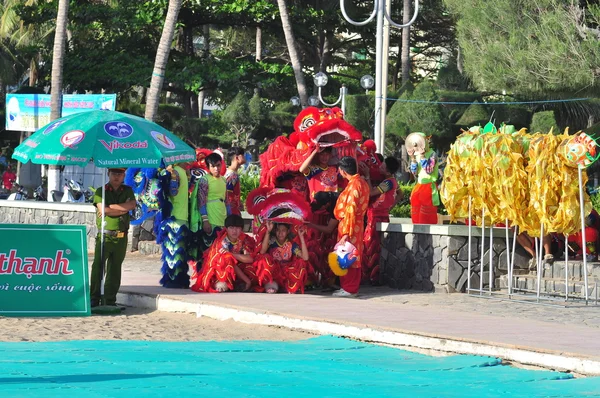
351 281
422 209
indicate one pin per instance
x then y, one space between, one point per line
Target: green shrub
455 111
249 180
427 117
476 114
359 112
595 199
542 122
516 115
401 210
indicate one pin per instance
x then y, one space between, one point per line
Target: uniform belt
116 234
215 200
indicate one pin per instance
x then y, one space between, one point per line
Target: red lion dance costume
218 264
280 268
313 127
281 161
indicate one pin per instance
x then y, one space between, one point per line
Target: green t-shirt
120 195
180 199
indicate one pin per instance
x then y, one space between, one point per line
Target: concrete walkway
564 338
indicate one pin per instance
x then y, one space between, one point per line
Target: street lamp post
320 80
380 11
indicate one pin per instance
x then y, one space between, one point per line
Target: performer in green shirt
212 200
119 200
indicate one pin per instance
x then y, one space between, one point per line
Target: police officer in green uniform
119 200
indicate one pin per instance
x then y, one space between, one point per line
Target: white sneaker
343 293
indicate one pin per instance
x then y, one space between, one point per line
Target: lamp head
320 79
313 100
367 82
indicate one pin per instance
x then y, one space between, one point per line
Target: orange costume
350 210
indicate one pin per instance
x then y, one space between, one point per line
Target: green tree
162 57
474 115
238 118
416 112
529 47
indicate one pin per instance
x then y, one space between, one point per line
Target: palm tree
160 62
60 39
293 50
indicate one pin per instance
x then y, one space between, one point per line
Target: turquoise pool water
317 367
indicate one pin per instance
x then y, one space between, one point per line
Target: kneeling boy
227 261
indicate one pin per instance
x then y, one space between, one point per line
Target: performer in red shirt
383 198
321 176
8 178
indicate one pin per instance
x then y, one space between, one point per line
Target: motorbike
72 193
19 192
39 194
89 194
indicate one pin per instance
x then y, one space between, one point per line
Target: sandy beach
138 324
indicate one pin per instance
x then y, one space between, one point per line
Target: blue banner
30 112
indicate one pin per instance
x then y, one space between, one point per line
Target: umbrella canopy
111 139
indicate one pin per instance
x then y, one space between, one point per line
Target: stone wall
435 257
30 212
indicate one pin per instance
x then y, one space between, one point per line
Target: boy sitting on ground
228 263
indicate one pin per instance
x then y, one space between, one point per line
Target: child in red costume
383 198
228 260
324 236
289 258
321 176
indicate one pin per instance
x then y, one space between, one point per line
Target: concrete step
553 286
575 270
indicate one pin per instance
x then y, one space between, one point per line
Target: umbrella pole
102 238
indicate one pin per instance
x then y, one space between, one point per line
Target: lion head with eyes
313 127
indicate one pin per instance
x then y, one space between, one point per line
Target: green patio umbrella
109 139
